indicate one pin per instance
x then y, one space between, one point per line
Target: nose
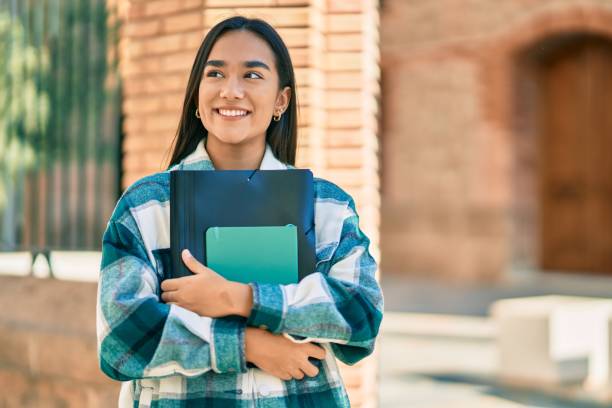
232 89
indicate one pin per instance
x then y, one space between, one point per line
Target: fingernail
186 253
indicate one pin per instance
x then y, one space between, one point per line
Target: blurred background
475 137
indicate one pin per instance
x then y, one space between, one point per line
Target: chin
232 138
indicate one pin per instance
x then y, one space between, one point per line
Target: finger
297 374
171 284
315 351
192 263
285 376
310 369
169 297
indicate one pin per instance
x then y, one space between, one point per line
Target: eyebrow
248 64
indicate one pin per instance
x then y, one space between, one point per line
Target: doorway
574 127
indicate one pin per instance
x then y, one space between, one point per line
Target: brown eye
214 74
253 75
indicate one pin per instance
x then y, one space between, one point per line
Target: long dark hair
281 135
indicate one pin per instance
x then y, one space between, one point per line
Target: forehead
239 46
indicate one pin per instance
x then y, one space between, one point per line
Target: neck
227 156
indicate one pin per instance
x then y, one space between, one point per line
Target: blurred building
59 202
495 137
484 156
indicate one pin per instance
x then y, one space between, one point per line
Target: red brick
133 124
344 99
345 6
254 3
173 101
344 138
166 121
295 37
344 61
304 96
279 17
345 42
345 177
345 23
145 66
142 28
136 106
300 57
345 119
161 84
302 76
183 22
344 80
156 141
165 7
148 161
179 63
346 158
164 44
135 10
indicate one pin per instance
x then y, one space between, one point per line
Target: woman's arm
279 356
138 336
341 303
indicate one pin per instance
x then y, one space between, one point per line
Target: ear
282 100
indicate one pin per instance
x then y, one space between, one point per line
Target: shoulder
151 189
333 206
327 192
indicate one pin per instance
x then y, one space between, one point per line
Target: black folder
201 199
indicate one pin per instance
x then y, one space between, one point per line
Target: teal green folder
254 254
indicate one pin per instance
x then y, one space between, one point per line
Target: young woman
187 341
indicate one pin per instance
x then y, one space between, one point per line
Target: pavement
438 347
429 296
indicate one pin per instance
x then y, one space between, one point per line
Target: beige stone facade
459 132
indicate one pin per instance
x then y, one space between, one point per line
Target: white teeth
232 112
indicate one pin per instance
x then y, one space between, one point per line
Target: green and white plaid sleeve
141 337
341 303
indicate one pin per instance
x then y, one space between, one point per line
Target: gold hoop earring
197 113
277 117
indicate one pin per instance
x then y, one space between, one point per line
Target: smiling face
239 91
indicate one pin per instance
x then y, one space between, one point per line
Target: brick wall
334 48
458 201
48 346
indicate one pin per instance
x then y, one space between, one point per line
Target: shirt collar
200 160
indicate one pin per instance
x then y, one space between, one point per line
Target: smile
232 113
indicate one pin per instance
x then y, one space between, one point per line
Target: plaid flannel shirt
168 356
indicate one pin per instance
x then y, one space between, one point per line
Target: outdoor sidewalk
428 296
437 345
441 361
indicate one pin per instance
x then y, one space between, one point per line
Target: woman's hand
279 356
207 293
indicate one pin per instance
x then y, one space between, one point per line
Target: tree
24 114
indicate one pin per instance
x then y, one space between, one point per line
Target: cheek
267 103
205 104
205 95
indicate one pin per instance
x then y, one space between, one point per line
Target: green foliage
59 122
24 106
